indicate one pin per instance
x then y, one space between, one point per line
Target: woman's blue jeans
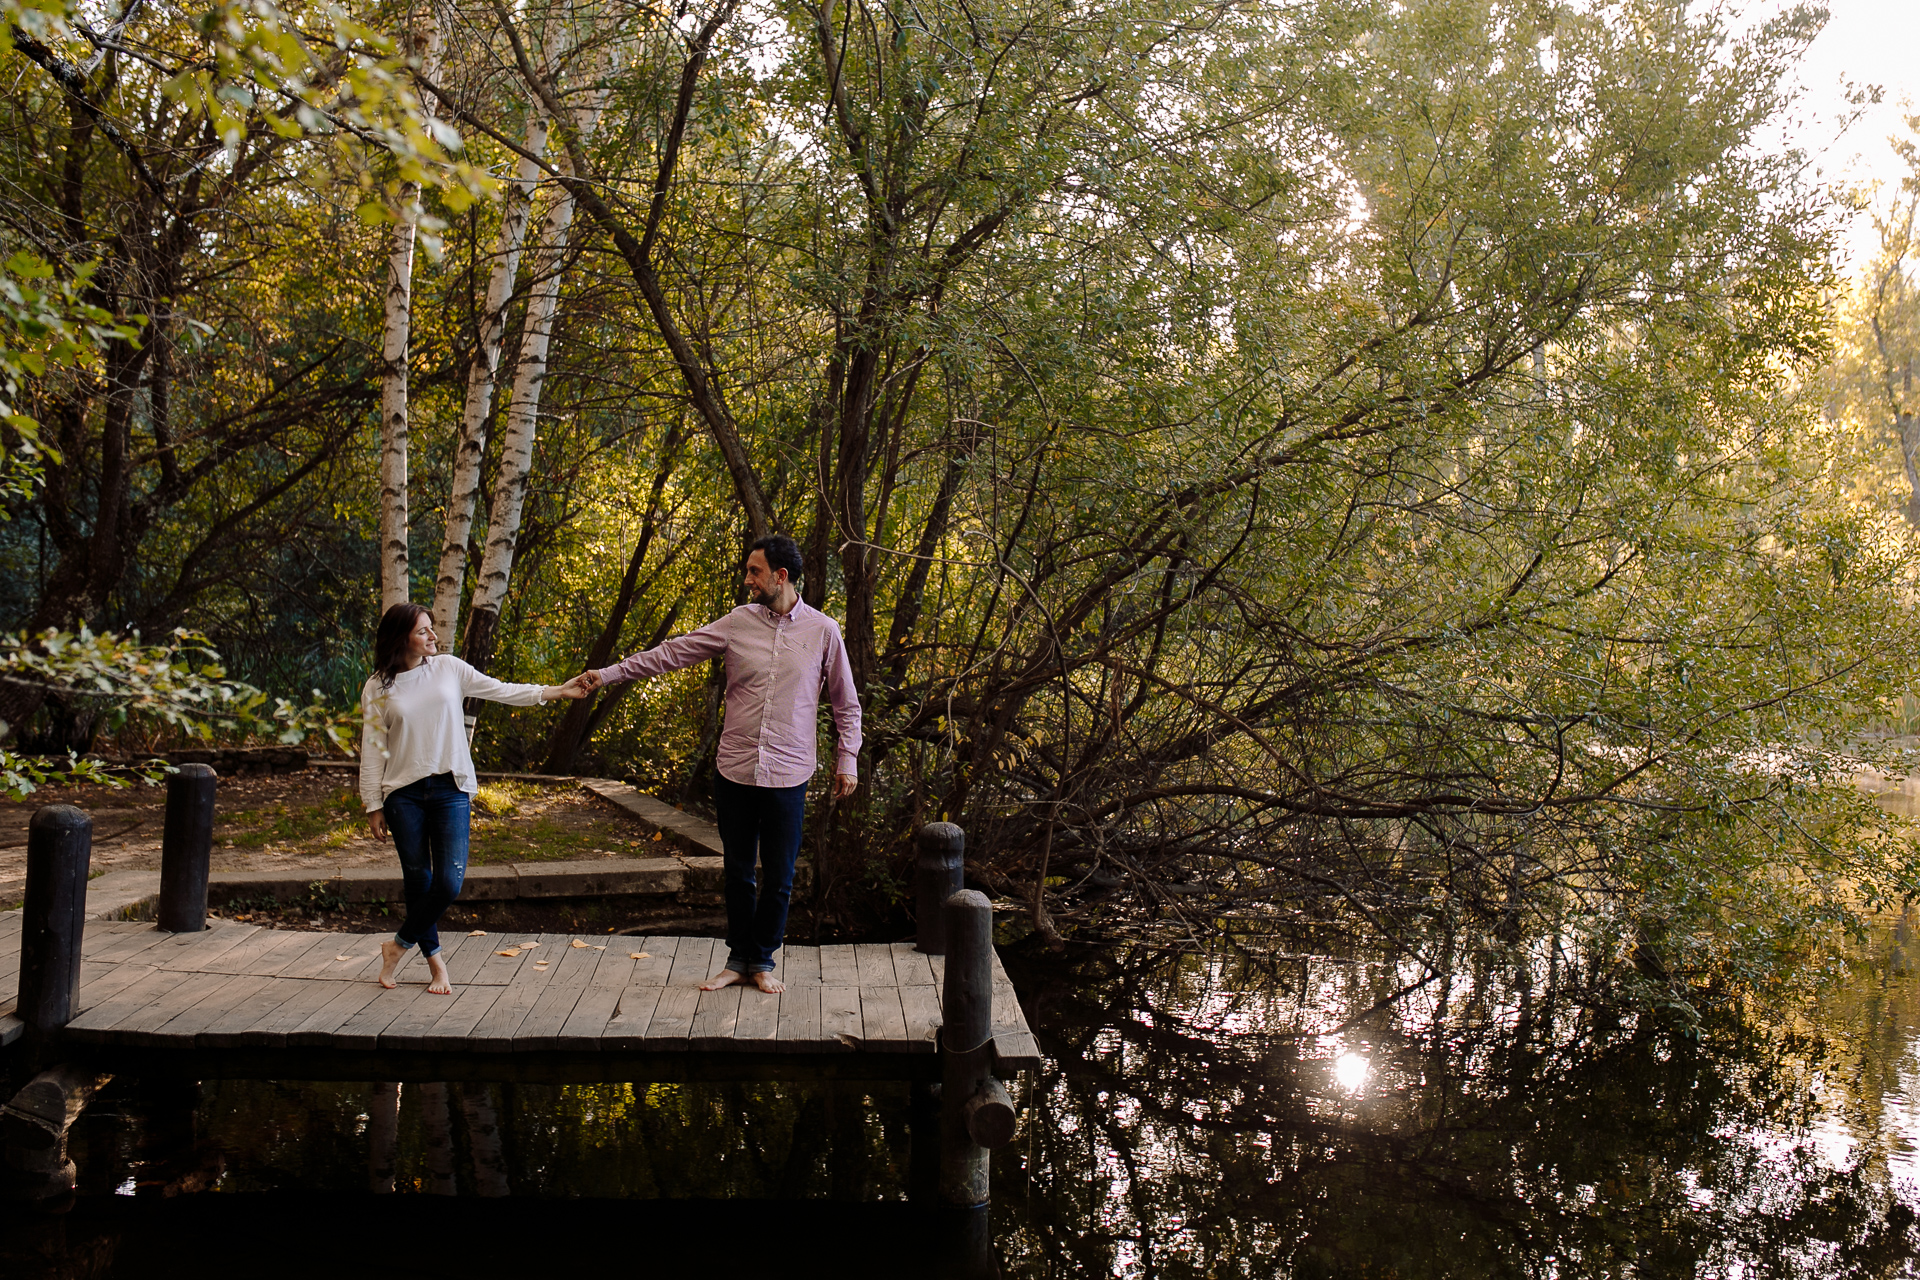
764 825
429 820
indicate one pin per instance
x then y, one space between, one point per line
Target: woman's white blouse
416 729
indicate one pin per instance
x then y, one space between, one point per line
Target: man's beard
766 598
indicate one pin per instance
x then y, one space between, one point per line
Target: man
779 653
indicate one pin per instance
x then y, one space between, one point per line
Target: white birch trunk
396 331
471 450
523 412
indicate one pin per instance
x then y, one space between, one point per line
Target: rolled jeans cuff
404 945
749 968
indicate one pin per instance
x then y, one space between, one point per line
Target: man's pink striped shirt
777 666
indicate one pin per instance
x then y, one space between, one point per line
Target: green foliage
180 684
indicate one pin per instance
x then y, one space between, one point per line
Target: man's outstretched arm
709 641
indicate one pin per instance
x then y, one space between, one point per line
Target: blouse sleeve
478 684
373 745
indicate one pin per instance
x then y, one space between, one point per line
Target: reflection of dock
236 1000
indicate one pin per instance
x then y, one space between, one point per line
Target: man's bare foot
391 954
724 978
441 984
769 984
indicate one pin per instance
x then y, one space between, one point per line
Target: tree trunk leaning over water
396 329
471 451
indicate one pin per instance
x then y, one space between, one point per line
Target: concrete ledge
11 1029
119 895
707 875
693 836
583 879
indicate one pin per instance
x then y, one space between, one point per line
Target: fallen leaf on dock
478 933
638 955
509 952
578 945
599 948
338 958
526 946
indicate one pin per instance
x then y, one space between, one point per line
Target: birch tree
523 409
482 374
396 328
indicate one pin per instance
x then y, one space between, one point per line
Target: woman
416 774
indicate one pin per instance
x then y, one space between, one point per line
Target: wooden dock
236 1000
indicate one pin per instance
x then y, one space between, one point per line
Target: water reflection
1275 1114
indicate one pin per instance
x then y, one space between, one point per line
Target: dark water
1198 1116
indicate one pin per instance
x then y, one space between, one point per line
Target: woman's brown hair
390 641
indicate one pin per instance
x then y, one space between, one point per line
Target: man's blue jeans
429 820
758 824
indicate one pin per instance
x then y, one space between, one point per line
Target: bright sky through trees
1865 42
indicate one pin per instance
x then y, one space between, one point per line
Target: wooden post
966 1044
34 1124
939 875
186 848
59 849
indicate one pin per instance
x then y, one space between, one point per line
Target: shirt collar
791 615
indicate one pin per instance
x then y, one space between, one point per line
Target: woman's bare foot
391 954
441 985
768 983
724 978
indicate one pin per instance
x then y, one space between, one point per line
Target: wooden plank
595 1010
362 1030
672 1021
411 1028
883 1021
573 966
108 981
1016 1051
494 1032
840 1013
627 1029
540 1029
282 963
318 1027
799 966
585 1025
126 946
714 1017
269 949
759 1019
498 970
193 951
183 1029
90 1025
694 961
277 999
323 962
178 993
799 1025
910 967
654 970
108 985
838 967
455 1027
921 1005
874 961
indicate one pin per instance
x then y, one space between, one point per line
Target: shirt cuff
848 764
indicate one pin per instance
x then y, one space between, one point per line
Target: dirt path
312 819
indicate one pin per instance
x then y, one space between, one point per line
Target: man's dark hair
781 552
